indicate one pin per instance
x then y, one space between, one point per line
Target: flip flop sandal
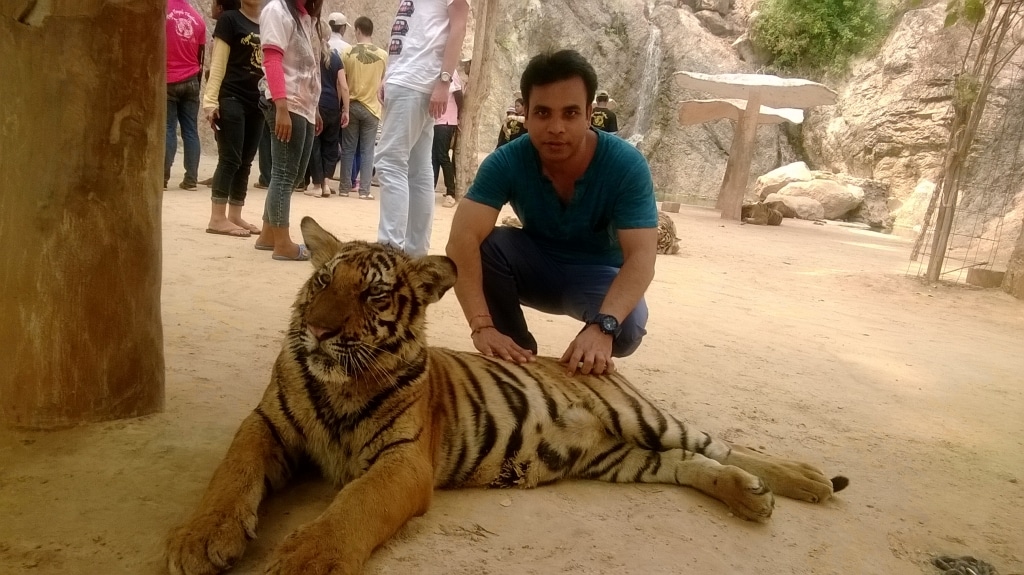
239 233
303 255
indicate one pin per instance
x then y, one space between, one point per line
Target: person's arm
458 15
202 55
218 67
591 351
343 93
459 101
273 65
613 124
472 223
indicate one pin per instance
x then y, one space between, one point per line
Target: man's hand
319 127
439 99
590 353
344 118
491 342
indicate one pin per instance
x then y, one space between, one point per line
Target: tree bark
741 156
1013 283
81 168
481 79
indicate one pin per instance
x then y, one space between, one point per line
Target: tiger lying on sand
357 390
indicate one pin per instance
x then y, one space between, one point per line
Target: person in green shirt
589 237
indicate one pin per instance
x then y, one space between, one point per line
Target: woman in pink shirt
293 44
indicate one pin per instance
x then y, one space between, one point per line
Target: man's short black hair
364 25
550 67
602 98
519 101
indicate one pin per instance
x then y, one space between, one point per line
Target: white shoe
449 202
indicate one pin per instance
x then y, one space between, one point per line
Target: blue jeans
358 140
403 166
241 127
289 167
183 108
517 272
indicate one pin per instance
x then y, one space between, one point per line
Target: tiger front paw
746 495
209 543
311 550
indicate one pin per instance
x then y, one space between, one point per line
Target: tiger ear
432 276
322 244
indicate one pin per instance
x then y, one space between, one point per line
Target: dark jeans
324 156
266 162
516 272
442 161
362 133
289 164
183 109
241 127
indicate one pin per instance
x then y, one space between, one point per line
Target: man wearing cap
426 43
603 118
338 23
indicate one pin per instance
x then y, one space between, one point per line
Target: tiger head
364 306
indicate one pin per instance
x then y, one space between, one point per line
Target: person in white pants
425 48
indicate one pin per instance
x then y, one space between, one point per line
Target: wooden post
481 79
81 161
741 156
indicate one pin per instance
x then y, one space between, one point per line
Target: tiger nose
320 333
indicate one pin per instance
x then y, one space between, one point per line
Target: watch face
609 324
446 77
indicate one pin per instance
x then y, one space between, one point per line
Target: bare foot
223 226
253 229
293 251
266 237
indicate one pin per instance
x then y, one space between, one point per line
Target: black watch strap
607 323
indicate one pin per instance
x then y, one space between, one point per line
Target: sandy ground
804 340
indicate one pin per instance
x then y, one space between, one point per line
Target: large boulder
716 23
890 121
779 178
720 6
800 207
874 210
835 198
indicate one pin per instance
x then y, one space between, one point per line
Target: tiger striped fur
761 214
668 243
357 390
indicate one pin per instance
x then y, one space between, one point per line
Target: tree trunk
481 79
741 156
1013 283
81 161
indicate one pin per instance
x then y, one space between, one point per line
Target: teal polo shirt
615 193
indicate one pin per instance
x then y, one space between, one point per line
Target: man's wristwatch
446 77
607 323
